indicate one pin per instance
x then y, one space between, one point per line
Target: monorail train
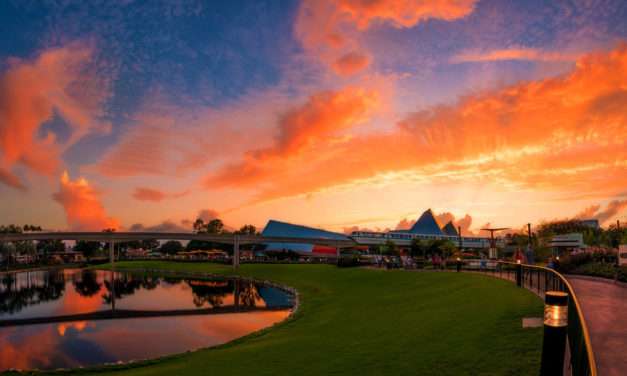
405 238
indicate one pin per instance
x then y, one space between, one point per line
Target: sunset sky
331 113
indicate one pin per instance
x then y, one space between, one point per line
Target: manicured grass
373 322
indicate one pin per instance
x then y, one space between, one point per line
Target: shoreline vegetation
360 321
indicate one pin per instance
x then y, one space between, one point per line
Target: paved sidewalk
605 310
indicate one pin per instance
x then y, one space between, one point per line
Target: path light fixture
555 331
459 264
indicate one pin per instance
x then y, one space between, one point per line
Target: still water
72 318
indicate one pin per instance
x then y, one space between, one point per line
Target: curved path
604 306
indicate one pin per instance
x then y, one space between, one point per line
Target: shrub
569 263
603 270
348 261
596 269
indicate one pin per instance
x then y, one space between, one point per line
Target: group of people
438 262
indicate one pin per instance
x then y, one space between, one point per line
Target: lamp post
518 273
555 331
459 264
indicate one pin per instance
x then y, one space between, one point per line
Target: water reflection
69 318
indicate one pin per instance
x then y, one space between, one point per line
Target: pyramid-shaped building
426 225
449 229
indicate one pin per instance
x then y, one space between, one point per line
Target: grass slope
373 322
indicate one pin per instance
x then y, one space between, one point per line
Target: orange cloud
149 194
613 209
328 29
172 140
82 206
403 13
512 54
319 121
565 134
351 63
11 180
58 81
464 223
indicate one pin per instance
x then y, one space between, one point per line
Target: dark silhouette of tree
87 284
247 230
150 244
389 248
50 246
171 247
87 248
418 248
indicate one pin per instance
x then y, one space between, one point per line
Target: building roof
277 228
449 229
426 224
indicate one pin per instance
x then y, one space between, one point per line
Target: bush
603 270
596 269
622 273
569 263
348 261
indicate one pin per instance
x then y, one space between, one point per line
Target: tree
247 230
417 248
87 248
440 246
199 225
10 229
149 244
390 248
32 228
50 246
215 226
171 247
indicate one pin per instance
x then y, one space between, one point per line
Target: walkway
604 308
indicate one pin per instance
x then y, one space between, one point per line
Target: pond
74 318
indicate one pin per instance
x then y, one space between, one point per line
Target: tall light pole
461 242
493 253
530 256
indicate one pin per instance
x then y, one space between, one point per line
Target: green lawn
373 322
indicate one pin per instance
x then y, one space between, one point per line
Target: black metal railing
539 280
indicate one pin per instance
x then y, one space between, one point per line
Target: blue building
277 228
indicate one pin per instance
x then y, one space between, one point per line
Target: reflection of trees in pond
150 283
248 294
210 292
30 288
122 286
213 292
172 281
87 284
128 284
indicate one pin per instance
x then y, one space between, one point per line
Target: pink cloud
319 120
57 81
329 29
512 54
170 140
613 209
11 180
502 136
351 63
83 209
155 195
